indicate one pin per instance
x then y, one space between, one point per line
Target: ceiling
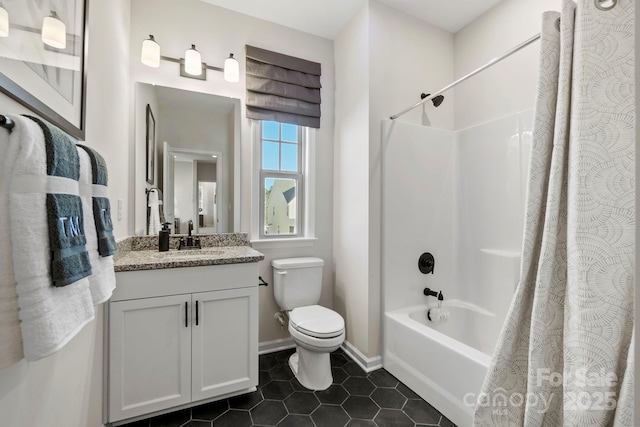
327 18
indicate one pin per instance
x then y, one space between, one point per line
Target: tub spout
438 294
428 292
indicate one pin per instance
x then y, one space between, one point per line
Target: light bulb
231 69
150 55
54 32
4 22
193 61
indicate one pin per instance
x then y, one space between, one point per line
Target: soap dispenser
163 243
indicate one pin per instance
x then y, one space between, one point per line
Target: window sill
294 242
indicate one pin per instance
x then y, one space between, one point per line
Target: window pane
289 161
270 155
271 130
280 206
289 133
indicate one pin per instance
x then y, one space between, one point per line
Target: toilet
316 330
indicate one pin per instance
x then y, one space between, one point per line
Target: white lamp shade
54 32
150 55
193 61
4 22
231 69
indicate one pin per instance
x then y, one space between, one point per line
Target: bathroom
376 61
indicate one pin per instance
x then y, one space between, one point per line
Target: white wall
351 177
217 32
144 95
198 129
492 161
384 60
417 158
184 194
65 389
509 86
407 57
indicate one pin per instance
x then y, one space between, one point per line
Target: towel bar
6 122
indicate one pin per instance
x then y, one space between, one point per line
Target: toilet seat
316 321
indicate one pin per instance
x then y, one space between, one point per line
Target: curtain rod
471 74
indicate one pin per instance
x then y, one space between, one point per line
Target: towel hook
149 190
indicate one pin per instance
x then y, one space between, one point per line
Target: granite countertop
141 253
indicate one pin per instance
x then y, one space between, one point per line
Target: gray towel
101 206
69 256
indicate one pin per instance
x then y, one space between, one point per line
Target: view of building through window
281 178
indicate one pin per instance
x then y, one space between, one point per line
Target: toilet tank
297 282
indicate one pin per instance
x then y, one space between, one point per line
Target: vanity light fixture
193 61
150 55
191 65
4 22
231 69
54 31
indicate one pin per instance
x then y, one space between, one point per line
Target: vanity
182 326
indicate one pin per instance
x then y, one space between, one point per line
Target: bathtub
445 364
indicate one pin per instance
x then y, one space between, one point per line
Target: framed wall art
42 60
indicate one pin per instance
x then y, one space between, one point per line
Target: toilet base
312 369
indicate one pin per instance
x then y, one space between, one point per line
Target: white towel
154 213
10 334
102 281
50 316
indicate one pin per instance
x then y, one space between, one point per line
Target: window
281 149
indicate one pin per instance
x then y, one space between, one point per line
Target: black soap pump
163 241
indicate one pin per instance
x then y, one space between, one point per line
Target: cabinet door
224 342
149 355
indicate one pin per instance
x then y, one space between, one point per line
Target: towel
101 206
154 213
10 334
103 280
50 316
69 256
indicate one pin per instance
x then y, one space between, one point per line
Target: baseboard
275 345
367 363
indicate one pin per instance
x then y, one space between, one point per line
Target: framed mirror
195 164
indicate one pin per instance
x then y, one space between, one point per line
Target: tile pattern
355 399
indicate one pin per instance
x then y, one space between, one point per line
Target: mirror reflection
196 160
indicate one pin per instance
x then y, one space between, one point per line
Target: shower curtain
565 354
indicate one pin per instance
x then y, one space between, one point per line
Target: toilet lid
317 321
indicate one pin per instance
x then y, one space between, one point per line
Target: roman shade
282 88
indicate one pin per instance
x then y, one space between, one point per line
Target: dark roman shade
282 88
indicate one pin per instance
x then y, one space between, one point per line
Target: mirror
189 151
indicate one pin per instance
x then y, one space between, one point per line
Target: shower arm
471 74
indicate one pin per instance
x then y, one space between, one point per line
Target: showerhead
436 101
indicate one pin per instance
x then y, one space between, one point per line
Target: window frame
305 235
280 174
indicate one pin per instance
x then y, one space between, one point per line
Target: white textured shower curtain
565 354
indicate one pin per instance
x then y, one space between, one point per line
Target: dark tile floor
355 399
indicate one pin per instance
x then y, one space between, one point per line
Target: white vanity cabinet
181 335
